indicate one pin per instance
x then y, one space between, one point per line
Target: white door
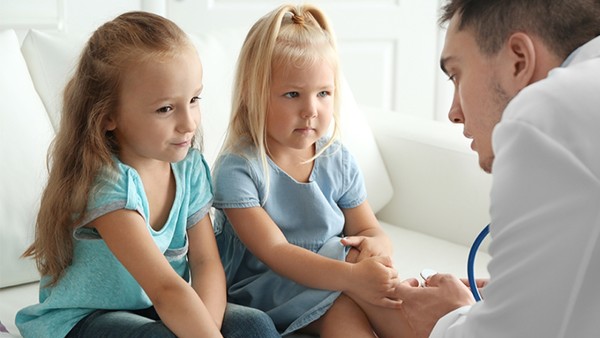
388 48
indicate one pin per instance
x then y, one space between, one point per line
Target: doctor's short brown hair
563 25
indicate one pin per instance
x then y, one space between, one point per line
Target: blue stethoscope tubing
471 261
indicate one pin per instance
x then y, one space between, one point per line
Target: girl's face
301 107
158 111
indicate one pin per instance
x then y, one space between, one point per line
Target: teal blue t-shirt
96 279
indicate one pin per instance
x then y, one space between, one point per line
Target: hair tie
297 19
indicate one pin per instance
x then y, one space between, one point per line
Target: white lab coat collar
588 51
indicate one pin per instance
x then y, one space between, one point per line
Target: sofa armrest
438 186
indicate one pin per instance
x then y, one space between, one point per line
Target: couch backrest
25 133
51 58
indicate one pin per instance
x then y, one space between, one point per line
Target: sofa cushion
51 58
415 251
440 189
218 61
25 134
358 136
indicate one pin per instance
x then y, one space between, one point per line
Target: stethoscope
471 261
426 273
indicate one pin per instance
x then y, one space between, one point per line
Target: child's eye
164 109
195 99
291 94
324 93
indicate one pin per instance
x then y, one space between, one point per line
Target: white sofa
422 179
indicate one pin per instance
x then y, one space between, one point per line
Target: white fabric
218 53
545 209
25 133
51 59
415 251
359 138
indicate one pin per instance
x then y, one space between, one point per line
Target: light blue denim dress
309 215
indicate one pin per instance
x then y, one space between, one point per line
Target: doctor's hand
480 282
424 306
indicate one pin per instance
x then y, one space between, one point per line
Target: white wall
389 49
444 88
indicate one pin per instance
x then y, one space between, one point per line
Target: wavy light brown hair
82 146
563 25
292 35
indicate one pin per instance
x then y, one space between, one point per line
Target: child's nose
310 109
187 120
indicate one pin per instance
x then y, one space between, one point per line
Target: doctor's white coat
545 212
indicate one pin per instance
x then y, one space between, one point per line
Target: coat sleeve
545 248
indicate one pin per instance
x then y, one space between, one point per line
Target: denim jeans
238 322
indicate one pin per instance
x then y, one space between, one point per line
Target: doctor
527 90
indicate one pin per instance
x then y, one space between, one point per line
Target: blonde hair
82 146
288 35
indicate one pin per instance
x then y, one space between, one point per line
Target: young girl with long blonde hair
123 223
297 237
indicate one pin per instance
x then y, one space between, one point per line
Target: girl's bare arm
175 301
208 278
265 240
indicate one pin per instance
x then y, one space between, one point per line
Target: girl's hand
366 246
373 280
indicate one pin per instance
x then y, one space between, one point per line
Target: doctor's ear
522 59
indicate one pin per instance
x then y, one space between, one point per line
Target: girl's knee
242 321
345 319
